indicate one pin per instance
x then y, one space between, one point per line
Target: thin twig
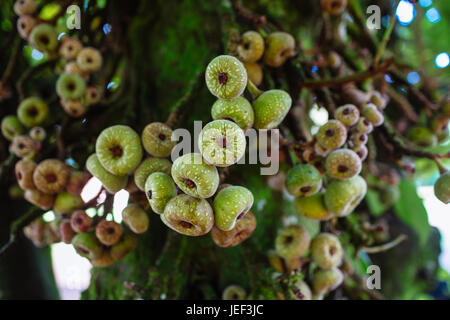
386 37
386 246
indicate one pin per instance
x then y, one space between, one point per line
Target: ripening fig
226 77
11 127
312 207
66 203
237 110
108 232
70 86
35 232
157 139
135 218
77 181
275 260
91 96
188 215
37 134
343 196
378 99
24 174
105 260
123 247
51 176
74 108
300 291
80 221
279 47
222 143
66 231
39 199
70 47
23 147
89 59
343 164
194 176
251 47
332 135
72 67
326 250
230 205
361 151
364 126
326 280
111 182
347 114
32 112
234 292
159 189
422 136
292 242
270 108
303 180
149 166
254 72
119 149
44 38
22 7
333 7
358 139
87 245
371 113
442 188
25 24
242 231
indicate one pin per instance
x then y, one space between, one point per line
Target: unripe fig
157 139
325 281
149 166
358 139
234 292
87 245
70 86
105 260
25 24
332 135
303 180
37 134
89 59
66 202
70 47
80 221
24 174
326 250
422 136
188 215
111 182
11 127
123 247
230 205
222 143
159 189
371 113
226 77
39 199
44 38
312 207
364 126
251 47
361 151
194 176
242 231
343 196
275 260
135 218
271 108
51 176
108 232
442 188
237 110
343 164
300 291
279 47
254 72
23 147
32 112
378 99
72 67
292 242
91 96
347 114
74 108
119 149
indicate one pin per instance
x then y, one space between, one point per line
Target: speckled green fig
111 182
11 127
251 47
343 196
347 114
226 77
234 292
87 245
66 203
292 242
159 189
70 86
303 180
44 38
279 47
135 218
326 250
242 231
327 280
312 207
32 112
188 215
156 139
270 108
332 135
442 188
237 110
149 166
343 164
230 205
